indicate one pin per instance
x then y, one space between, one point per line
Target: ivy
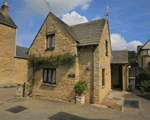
53 60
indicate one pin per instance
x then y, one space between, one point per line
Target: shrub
143 75
80 87
146 83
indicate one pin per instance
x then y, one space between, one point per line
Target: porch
119 76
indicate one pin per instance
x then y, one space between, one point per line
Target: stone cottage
90 42
144 55
13 59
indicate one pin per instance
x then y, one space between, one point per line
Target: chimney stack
5 8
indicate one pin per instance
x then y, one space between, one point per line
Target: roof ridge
21 46
88 22
119 50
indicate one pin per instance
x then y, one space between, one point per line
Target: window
103 77
106 47
49 76
50 41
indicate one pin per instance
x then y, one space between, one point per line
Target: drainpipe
93 87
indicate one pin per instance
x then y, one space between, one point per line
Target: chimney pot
5 7
5 3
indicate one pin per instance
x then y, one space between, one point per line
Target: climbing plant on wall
37 62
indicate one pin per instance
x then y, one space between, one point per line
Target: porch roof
119 57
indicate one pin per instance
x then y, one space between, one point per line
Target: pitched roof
120 56
65 26
142 47
6 19
90 32
21 52
84 34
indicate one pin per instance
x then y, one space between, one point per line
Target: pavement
7 93
44 109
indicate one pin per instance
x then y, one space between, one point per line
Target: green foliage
143 75
146 83
132 57
9 86
80 87
53 60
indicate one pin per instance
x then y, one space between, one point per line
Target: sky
129 20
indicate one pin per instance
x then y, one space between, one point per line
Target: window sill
47 84
103 86
49 49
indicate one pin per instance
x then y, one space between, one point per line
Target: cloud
124 31
119 43
18 43
59 7
74 18
85 7
97 17
30 24
133 45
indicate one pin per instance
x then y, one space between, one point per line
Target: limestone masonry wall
105 63
7 52
21 67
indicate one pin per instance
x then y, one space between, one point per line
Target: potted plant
79 89
146 85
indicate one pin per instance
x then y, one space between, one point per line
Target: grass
9 86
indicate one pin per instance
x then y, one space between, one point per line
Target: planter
142 90
80 99
147 89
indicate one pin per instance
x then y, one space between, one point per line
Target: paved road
7 93
138 104
42 109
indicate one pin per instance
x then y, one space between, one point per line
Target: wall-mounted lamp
129 66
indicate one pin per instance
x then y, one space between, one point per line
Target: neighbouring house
120 69
90 42
144 54
13 63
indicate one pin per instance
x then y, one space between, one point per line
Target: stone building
10 67
120 69
90 42
144 54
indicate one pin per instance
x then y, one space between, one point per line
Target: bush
145 83
80 87
143 75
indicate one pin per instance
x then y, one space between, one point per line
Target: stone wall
85 72
21 66
7 52
64 88
124 76
105 63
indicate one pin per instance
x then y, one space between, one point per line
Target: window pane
45 75
49 75
48 41
53 41
54 76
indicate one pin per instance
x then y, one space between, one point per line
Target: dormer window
50 41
